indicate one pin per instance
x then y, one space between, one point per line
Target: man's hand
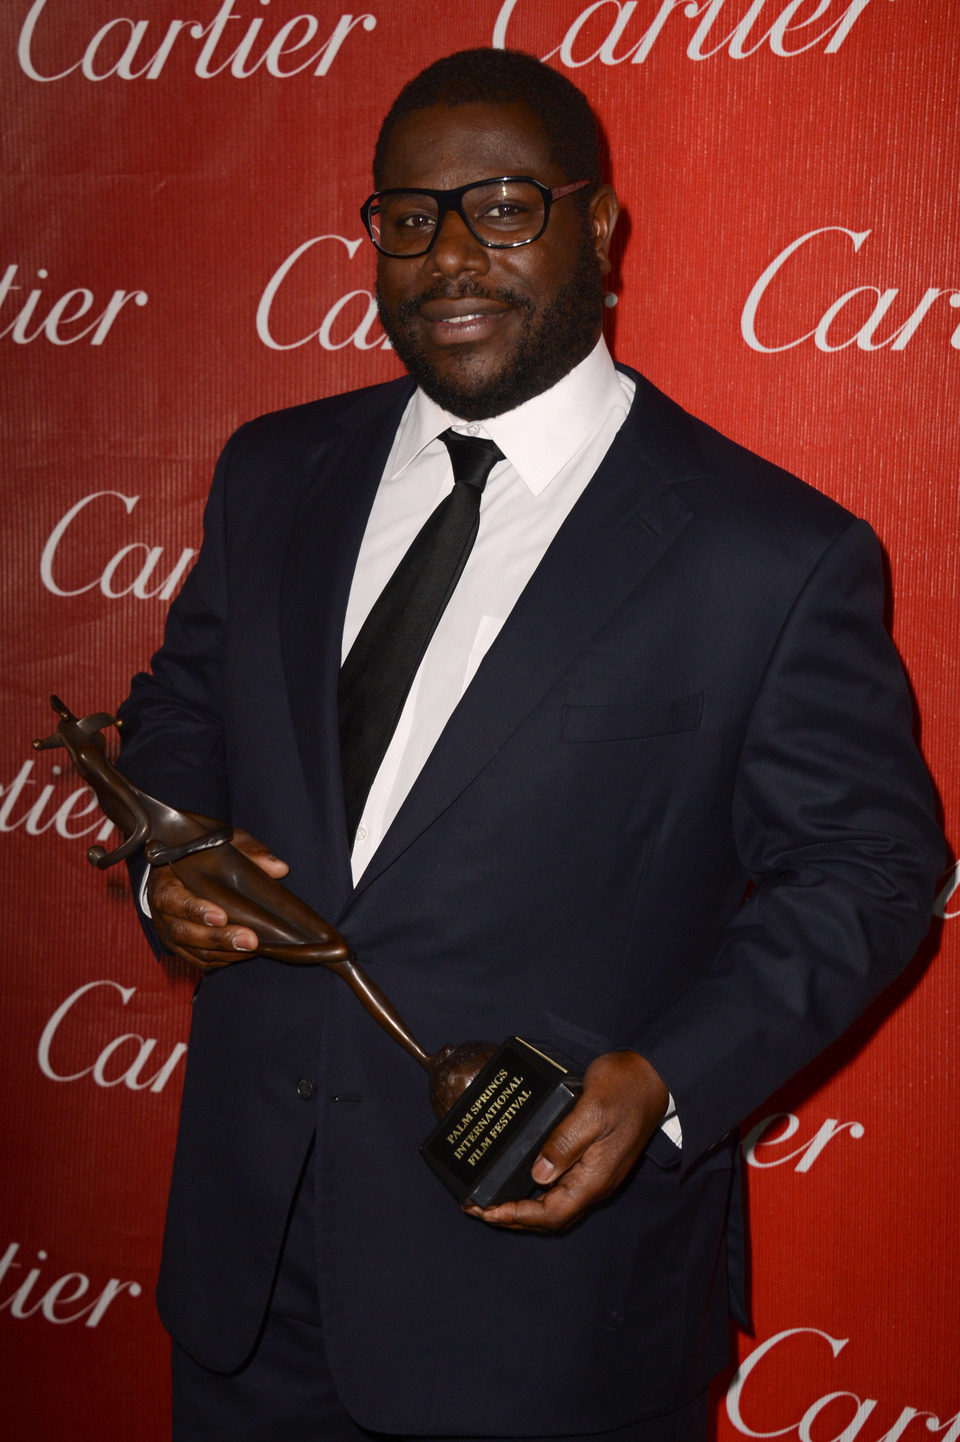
197 930
589 1154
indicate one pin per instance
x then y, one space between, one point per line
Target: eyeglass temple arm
559 191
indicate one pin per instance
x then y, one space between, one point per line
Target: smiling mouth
471 326
454 322
467 319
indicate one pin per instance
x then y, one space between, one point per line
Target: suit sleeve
173 739
833 821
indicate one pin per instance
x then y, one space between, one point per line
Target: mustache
464 290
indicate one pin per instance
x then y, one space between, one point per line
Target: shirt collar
539 437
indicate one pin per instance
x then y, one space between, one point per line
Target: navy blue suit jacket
694 693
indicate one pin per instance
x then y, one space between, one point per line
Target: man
659 684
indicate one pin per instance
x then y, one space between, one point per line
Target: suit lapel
327 530
626 519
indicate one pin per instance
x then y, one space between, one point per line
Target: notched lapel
627 518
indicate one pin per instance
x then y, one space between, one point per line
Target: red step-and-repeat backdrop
182 249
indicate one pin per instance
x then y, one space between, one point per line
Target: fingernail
241 944
542 1170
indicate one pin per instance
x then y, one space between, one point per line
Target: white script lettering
859 1409
822 334
806 1153
70 307
332 333
120 561
951 885
115 49
59 1294
740 42
110 1067
79 805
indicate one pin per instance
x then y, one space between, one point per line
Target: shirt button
473 430
304 1089
361 833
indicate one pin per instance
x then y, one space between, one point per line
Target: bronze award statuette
496 1105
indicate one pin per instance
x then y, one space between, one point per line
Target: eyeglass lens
499 213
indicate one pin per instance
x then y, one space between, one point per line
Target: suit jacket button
304 1089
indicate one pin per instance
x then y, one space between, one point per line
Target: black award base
485 1145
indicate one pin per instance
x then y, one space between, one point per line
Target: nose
456 249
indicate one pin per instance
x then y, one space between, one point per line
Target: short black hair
504 77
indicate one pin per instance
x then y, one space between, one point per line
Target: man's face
484 330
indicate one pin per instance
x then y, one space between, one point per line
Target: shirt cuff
670 1125
144 904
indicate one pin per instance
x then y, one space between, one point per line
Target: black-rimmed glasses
507 211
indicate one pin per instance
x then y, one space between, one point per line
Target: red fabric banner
182 249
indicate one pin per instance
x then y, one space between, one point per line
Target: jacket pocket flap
639 718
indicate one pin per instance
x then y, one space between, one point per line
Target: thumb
567 1142
258 853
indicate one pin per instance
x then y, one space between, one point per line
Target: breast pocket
632 720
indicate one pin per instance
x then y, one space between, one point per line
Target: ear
603 212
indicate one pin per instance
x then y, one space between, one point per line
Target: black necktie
379 670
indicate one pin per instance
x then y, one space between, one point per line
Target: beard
553 340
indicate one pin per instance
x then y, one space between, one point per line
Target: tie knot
472 457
